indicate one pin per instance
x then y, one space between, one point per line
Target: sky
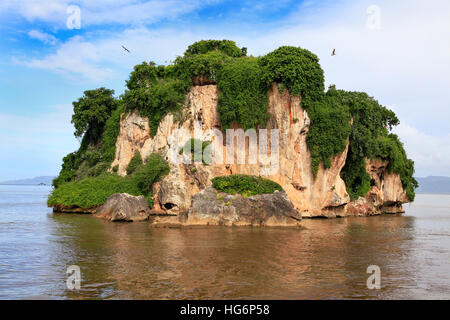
53 50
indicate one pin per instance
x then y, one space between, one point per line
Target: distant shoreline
25 184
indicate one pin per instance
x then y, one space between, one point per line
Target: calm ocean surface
327 259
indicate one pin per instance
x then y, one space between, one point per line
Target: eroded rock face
386 194
311 196
134 131
124 207
361 207
212 208
323 196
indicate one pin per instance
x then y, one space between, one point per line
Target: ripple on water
326 259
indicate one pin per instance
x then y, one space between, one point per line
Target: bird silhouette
333 53
125 49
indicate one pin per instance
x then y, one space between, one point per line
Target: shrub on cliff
134 163
391 149
156 99
111 131
370 138
228 47
97 120
329 130
298 69
242 94
92 111
68 170
245 185
197 149
153 171
93 191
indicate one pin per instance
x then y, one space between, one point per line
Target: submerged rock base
124 207
212 208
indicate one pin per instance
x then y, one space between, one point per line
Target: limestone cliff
386 193
324 195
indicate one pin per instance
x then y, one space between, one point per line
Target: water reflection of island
325 259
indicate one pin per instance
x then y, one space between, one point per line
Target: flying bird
333 53
125 49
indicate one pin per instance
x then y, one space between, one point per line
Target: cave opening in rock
169 205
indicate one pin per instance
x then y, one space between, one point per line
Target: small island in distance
42 180
433 185
427 185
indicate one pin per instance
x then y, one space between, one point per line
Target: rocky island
164 149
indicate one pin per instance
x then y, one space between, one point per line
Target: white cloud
75 58
42 36
45 10
101 59
404 65
431 154
101 11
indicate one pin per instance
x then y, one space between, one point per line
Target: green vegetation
245 185
297 69
370 138
93 191
97 120
153 171
135 163
225 46
243 83
391 149
197 148
92 111
112 128
153 95
243 97
330 127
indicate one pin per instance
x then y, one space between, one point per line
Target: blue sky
44 65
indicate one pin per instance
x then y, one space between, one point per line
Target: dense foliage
92 111
198 150
242 97
153 94
243 82
228 47
298 69
95 154
112 128
93 191
329 130
370 138
134 163
245 185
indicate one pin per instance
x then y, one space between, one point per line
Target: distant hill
34 181
438 185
